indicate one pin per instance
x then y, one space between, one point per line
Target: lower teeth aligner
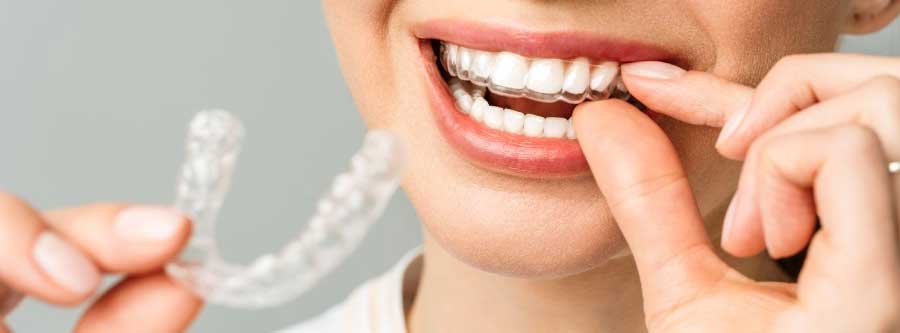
480 110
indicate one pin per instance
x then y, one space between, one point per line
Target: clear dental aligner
356 199
474 72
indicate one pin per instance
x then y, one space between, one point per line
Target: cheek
750 36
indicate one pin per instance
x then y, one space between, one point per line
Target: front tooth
513 121
479 108
534 125
493 117
465 63
546 76
578 76
555 127
465 103
482 67
570 133
509 71
603 75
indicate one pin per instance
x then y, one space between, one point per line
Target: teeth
465 103
493 117
534 125
513 121
555 127
464 68
482 67
542 80
479 107
601 78
508 120
546 76
452 58
577 77
570 134
509 71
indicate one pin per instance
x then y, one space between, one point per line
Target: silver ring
894 167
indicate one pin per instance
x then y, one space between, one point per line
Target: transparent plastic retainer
357 199
475 68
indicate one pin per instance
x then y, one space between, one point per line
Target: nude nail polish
148 223
65 264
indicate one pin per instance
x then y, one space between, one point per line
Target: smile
504 98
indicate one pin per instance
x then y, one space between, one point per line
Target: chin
514 227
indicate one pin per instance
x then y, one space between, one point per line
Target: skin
505 253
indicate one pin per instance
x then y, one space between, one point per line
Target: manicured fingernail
732 125
729 219
148 223
65 264
653 70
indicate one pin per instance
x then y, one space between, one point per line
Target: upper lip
542 44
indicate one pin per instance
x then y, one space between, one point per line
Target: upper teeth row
470 100
544 80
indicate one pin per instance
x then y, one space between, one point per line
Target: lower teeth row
470 100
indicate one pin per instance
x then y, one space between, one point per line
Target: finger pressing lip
124 239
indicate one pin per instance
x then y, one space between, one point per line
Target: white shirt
378 306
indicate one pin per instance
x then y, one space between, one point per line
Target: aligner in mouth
494 88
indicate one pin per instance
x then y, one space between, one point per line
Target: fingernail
729 219
732 125
65 264
148 223
653 70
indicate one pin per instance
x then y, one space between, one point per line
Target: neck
455 297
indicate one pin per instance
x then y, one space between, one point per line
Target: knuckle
853 138
791 61
887 93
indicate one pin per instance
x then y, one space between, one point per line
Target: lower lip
496 150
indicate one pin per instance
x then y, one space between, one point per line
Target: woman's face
515 205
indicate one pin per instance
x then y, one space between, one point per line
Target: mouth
504 98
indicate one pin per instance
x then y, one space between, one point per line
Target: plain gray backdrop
95 96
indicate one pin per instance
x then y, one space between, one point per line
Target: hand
59 256
816 135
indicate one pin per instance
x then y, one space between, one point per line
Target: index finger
694 97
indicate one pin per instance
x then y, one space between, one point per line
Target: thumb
641 178
693 97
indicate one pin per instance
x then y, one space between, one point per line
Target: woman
529 230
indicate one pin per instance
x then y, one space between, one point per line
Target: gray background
95 95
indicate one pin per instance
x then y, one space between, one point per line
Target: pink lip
500 151
549 44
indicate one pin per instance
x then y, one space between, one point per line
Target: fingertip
743 241
588 117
